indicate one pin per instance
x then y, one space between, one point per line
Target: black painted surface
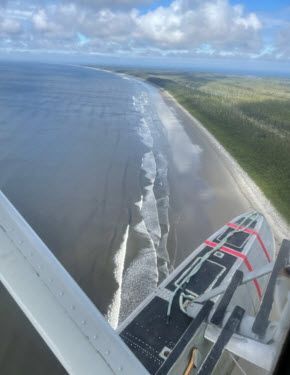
237 241
262 319
208 273
282 365
149 332
186 337
247 223
217 350
220 311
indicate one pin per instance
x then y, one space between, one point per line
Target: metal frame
64 316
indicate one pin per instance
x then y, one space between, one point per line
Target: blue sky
250 5
164 30
264 6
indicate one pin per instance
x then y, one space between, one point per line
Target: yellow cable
191 364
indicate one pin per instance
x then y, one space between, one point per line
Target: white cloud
190 24
9 26
40 21
181 25
184 27
283 43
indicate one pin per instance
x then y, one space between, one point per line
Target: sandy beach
118 180
202 191
243 183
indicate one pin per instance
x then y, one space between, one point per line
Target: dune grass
249 116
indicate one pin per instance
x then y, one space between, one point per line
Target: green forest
249 116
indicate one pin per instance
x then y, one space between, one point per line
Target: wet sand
203 192
117 180
238 186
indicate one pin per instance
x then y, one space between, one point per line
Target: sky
144 30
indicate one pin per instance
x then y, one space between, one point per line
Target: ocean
81 158
102 169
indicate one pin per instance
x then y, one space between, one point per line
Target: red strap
237 254
252 231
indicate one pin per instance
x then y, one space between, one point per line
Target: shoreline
247 186
245 183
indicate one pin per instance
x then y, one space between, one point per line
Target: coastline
235 192
246 185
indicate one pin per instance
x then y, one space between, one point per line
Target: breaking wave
119 260
143 260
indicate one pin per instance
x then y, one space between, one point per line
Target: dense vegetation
250 116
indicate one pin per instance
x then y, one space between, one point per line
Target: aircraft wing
60 311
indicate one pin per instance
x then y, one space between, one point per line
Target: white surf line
149 167
119 74
119 260
141 277
149 210
245 184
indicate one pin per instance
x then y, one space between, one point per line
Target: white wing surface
60 311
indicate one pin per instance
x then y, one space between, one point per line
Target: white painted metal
60 311
246 294
261 355
283 325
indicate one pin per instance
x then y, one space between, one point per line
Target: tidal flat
248 115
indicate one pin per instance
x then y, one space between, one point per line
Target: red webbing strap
252 231
242 256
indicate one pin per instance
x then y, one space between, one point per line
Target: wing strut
262 318
216 351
